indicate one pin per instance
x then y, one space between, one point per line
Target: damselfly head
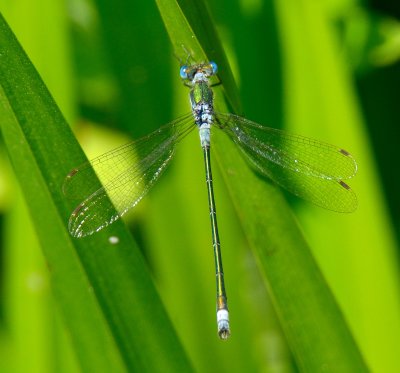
188 72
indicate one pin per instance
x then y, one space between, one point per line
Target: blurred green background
328 69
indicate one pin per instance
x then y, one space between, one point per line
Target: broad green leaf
104 290
353 250
316 331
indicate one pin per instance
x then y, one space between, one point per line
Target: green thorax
201 93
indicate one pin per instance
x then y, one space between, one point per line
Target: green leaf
313 323
354 250
105 292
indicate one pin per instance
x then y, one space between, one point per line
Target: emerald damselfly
308 168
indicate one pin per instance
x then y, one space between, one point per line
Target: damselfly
308 168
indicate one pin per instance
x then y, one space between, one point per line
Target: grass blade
106 295
314 326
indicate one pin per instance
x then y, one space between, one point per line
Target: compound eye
183 72
214 67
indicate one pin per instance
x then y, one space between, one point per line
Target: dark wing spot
344 185
72 173
344 152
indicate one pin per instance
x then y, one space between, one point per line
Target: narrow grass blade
104 290
316 331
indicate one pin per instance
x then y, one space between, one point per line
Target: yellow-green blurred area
325 69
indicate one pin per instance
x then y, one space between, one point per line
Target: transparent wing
308 168
126 174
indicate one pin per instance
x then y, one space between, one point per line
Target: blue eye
183 72
214 67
